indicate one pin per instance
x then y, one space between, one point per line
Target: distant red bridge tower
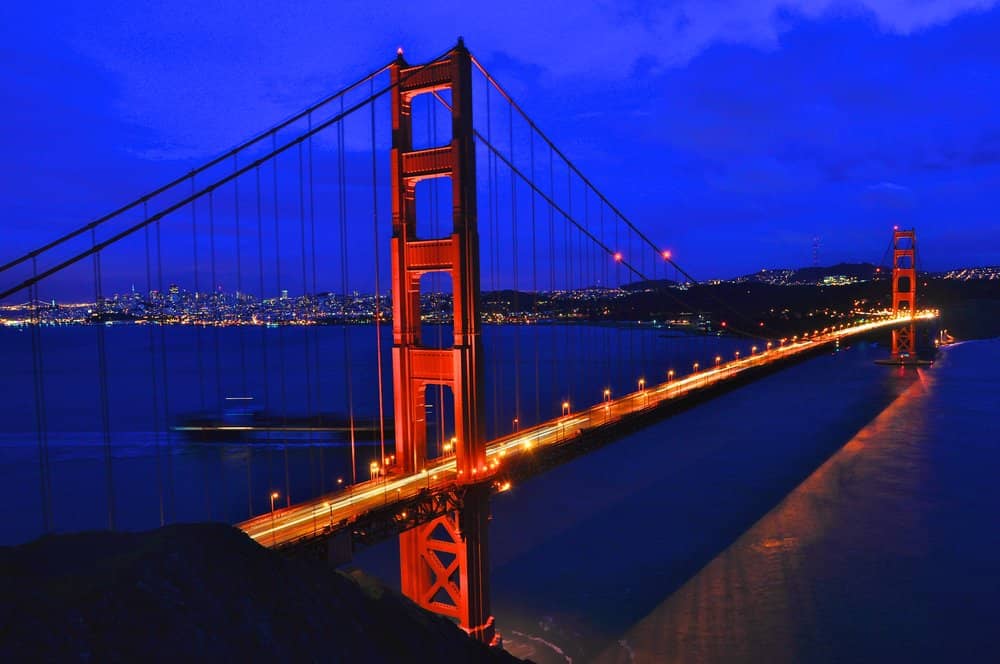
904 292
443 563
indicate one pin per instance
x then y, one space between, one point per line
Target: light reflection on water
739 607
884 552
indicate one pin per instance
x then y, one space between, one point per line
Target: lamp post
670 375
516 422
565 407
645 395
274 496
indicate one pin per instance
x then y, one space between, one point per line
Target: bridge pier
443 563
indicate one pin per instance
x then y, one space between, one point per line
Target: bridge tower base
444 563
444 566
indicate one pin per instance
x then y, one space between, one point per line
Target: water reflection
778 593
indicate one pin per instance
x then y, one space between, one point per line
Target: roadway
311 518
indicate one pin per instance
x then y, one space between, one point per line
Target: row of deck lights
449 447
718 361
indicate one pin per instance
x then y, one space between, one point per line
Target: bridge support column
443 564
904 292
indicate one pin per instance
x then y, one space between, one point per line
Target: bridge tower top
415 366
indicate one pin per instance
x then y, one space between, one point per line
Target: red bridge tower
444 565
904 292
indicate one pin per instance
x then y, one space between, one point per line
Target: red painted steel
443 564
904 291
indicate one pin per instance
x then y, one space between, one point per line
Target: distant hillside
813 275
206 592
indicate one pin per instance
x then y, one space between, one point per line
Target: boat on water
241 421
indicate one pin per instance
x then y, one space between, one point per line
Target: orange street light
274 495
565 408
642 384
607 394
718 359
516 421
670 375
696 367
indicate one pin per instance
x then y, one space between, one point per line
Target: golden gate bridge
381 187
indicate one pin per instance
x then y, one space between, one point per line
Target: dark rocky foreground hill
206 592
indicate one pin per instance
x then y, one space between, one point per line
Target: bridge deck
348 507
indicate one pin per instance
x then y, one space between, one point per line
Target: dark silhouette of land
206 592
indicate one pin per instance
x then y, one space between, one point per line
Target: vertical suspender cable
303 299
282 322
568 365
41 421
240 297
378 288
552 274
494 253
154 391
217 302
534 284
342 221
171 507
315 309
618 299
241 302
606 296
197 295
102 361
517 281
265 383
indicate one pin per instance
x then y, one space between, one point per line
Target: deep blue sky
732 132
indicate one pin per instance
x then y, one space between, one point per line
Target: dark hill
206 592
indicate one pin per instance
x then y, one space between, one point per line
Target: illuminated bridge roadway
372 510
